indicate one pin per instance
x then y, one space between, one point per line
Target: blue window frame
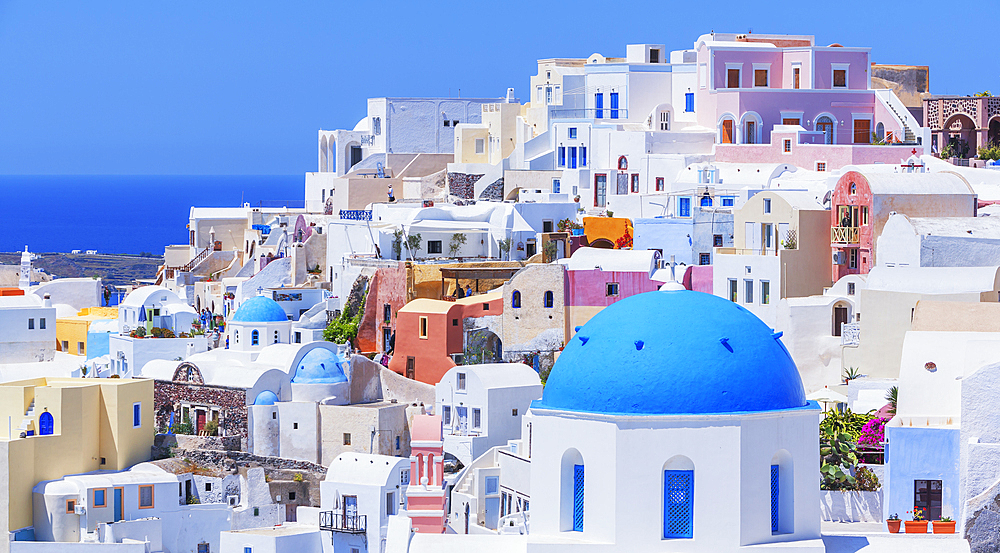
614 105
515 299
254 338
706 201
728 201
397 442
572 132
583 156
578 498
549 299
136 415
684 207
562 156
774 499
599 105
678 504
689 101
572 157
555 186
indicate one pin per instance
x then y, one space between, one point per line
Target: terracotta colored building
862 203
429 332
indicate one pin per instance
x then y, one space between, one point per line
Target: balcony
845 235
850 334
747 251
339 521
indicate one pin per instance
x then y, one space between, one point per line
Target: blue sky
194 87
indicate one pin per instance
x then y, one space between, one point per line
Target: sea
125 214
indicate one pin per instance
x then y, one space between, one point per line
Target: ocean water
124 214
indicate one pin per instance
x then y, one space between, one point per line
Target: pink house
425 496
751 88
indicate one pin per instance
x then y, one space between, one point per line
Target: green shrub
343 329
990 151
212 428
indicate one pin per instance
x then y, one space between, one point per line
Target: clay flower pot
916 526
893 526
944 527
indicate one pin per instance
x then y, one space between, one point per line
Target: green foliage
184 427
193 500
877 141
505 246
983 94
610 213
566 225
397 243
835 424
413 243
211 428
343 329
549 249
457 241
838 455
850 373
866 480
990 151
955 148
890 395
297 477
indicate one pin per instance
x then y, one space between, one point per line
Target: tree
343 329
413 244
457 241
505 245
397 243
549 249
891 395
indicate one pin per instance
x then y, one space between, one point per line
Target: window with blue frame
728 201
562 156
706 201
678 504
599 105
254 338
774 499
689 101
614 105
515 299
136 415
684 207
572 157
583 156
578 498
572 132
555 186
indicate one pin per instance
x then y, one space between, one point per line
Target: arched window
678 498
622 163
706 201
549 299
276 337
45 424
782 493
880 131
236 336
254 338
515 299
571 492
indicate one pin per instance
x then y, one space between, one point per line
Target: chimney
47 301
510 95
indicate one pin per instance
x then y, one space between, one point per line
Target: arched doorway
46 424
727 129
751 128
993 136
841 316
824 124
324 151
959 137
603 243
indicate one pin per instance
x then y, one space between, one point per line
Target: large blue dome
319 366
259 309
672 353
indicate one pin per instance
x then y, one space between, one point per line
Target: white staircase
29 416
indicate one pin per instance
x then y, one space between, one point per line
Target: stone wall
463 185
493 192
232 403
163 442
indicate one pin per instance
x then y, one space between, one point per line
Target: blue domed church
259 322
674 421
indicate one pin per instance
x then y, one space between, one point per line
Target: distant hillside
113 269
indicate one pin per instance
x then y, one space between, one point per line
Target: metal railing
609 114
747 251
339 521
850 334
845 235
168 272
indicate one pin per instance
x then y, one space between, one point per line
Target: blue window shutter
583 156
614 105
685 207
135 415
774 498
689 101
678 503
562 156
578 498
599 104
572 157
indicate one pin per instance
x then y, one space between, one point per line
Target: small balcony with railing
850 334
343 522
845 235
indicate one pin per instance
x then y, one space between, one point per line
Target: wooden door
119 504
351 512
727 131
839 318
411 372
201 420
862 131
927 497
751 134
794 121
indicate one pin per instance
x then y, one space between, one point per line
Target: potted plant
893 522
944 526
918 525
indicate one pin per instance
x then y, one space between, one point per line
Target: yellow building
71 332
70 426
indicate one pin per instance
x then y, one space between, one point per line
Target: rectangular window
635 183
386 312
717 240
390 504
927 497
678 504
767 205
477 418
583 156
774 499
547 226
611 289
454 322
347 438
689 102
513 412
850 288
572 133
728 201
705 259
555 186
654 55
853 261
664 120
562 156
572 157
840 78
65 346
748 291
31 324
600 190
145 497
614 105
787 146
136 415
727 131
791 121
862 131
81 348
70 506
796 75
404 477
298 337
732 78
760 77
598 105
548 95
733 288
101 497
578 498
659 184
446 414
204 548
480 146
820 166
864 215
433 246
41 323
492 485
684 207
461 381
423 327
397 443
765 292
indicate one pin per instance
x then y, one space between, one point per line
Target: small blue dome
319 366
267 397
672 353
259 309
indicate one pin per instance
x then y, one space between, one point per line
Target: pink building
750 87
425 496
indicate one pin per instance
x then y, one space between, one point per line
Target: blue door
45 424
572 157
614 105
119 504
598 105
578 498
678 503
